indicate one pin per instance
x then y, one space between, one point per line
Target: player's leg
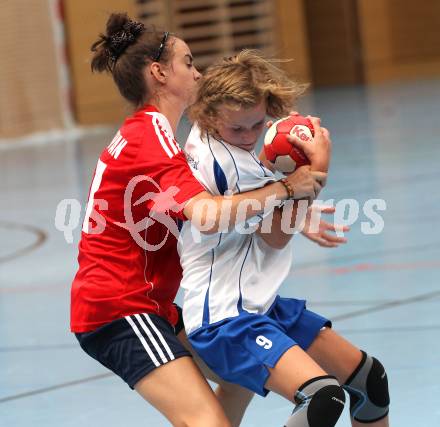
179 391
144 351
340 363
318 397
255 352
233 398
295 365
362 376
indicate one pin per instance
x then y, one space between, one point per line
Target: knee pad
368 390
320 403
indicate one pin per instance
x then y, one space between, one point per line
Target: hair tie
118 42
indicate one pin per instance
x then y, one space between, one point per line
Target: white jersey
227 273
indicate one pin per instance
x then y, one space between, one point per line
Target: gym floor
382 290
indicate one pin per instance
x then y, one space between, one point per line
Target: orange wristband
288 187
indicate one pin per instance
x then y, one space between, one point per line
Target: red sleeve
162 160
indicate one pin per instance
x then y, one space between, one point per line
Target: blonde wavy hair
243 81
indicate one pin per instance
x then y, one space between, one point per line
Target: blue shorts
239 349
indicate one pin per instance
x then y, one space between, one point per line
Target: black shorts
133 346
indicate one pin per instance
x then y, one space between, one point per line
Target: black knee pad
368 390
326 406
320 403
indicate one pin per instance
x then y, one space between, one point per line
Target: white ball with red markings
284 156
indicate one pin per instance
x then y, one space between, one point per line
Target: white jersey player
226 273
233 316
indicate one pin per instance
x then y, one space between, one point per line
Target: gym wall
30 86
212 29
331 42
400 39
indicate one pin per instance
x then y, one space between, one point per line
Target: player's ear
157 71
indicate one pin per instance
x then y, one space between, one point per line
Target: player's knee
368 390
326 406
320 403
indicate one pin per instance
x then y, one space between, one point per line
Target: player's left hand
318 232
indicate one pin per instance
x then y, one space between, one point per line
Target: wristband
288 188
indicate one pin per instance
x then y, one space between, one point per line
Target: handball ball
284 156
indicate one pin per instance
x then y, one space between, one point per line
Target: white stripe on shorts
142 339
151 338
162 339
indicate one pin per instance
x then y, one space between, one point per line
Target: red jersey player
131 278
122 296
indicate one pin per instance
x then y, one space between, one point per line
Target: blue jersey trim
233 160
220 178
219 175
205 320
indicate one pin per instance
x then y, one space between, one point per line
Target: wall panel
95 97
30 98
401 40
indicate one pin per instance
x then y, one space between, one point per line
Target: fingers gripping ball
284 156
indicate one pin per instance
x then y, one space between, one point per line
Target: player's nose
197 74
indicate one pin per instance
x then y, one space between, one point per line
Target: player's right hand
306 183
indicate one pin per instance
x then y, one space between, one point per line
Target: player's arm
212 214
276 237
319 156
207 212
311 225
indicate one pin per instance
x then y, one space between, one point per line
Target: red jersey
128 261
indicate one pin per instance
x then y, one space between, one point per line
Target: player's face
242 127
183 76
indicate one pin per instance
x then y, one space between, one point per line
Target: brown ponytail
124 50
